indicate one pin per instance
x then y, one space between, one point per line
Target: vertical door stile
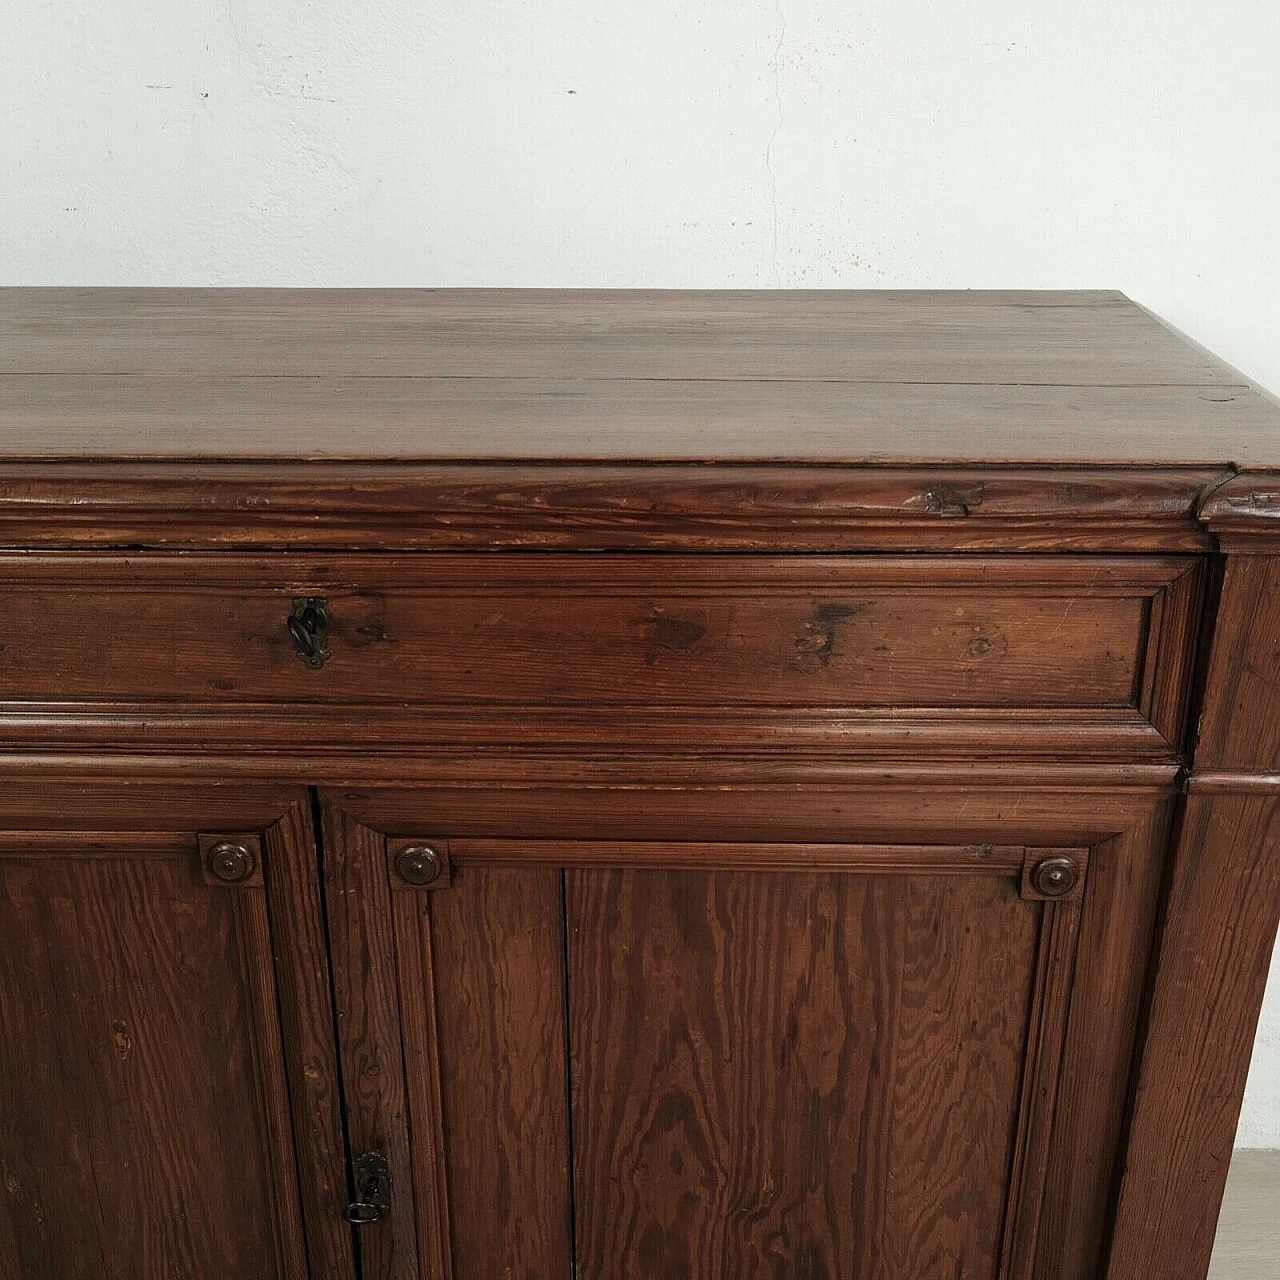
370 1050
411 925
1050 1005
450 991
567 1012
253 933
300 944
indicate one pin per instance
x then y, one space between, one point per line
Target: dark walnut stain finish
731 507
612 647
146 1126
478 956
500 785
495 942
751 1052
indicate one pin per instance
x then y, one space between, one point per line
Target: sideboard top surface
851 378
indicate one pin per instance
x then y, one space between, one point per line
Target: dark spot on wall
223 685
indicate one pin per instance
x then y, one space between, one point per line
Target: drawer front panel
547 631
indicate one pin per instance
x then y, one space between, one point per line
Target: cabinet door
449 984
628 1058
168 1102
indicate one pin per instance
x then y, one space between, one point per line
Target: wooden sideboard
628 786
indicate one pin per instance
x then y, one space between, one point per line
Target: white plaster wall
1120 143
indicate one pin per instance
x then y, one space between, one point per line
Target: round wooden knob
231 862
1055 877
419 864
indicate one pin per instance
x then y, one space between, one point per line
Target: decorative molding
1228 782
1050 1006
533 770
656 506
1243 512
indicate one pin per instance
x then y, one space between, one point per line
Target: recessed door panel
817 1075
146 1123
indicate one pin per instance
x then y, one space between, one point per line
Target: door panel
818 1073
808 1060
497 953
147 1128
471 1062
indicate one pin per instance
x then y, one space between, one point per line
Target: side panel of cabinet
167 1086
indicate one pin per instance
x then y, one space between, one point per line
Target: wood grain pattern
343 737
497 963
145 1115
420 1032
838 377
1244 669
848 647
1241 512
306 1020
750 1052
1118 919
52 417
594 507
753 786
738 838
1041 1072
864 859
478 969
253 934
896 809
966 1003
1175 623
957 805
1064 338
1218 932
370 1049
615 649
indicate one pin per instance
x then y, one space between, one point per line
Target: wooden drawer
763 643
